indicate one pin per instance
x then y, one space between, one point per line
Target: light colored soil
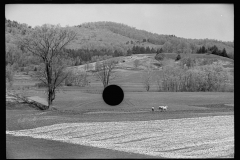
202 137
39 100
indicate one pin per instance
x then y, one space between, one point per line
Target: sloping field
202 137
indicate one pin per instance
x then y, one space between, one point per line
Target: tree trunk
51 96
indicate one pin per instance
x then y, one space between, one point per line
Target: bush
160 56
76 79
40 85
188 62
205 61
157 64
178 57
136 63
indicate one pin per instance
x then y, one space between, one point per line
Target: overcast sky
213 21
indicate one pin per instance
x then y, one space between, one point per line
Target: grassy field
79 110
81 125
87 109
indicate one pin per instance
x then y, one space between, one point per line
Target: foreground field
173 138
81 125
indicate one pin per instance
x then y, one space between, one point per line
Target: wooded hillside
98 39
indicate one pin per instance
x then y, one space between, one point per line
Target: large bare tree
104 70
47 43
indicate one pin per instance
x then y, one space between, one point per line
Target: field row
202 137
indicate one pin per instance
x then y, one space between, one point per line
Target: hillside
130 78
139 37
112 39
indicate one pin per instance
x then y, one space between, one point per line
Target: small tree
136 63
104 70
159 83
147 78
160 56
178 57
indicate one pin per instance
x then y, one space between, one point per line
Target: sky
196 21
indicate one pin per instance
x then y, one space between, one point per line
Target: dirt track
202 137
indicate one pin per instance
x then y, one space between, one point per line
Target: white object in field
162 108
152 108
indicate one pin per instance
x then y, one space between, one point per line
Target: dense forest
102 40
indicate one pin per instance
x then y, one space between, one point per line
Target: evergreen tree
178 57
137 50
203 49
199 50
157 51
153 50
224 53
142 50
129 52
148 49
116 54
161 50
134 50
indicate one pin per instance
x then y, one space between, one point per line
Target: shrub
136 63
160 56
40 85
178 57
205 61
157 64
76 79
188 62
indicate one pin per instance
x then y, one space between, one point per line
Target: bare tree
147 75
47 43
104 70
159 83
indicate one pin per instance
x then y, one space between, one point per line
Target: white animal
162 108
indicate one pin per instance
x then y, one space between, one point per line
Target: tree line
81 56
214 50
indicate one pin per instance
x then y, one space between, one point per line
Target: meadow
196 124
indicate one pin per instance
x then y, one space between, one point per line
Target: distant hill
111 37
111 32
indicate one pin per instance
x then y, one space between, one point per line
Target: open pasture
191 128
87 101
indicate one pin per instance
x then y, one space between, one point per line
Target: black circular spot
113 95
